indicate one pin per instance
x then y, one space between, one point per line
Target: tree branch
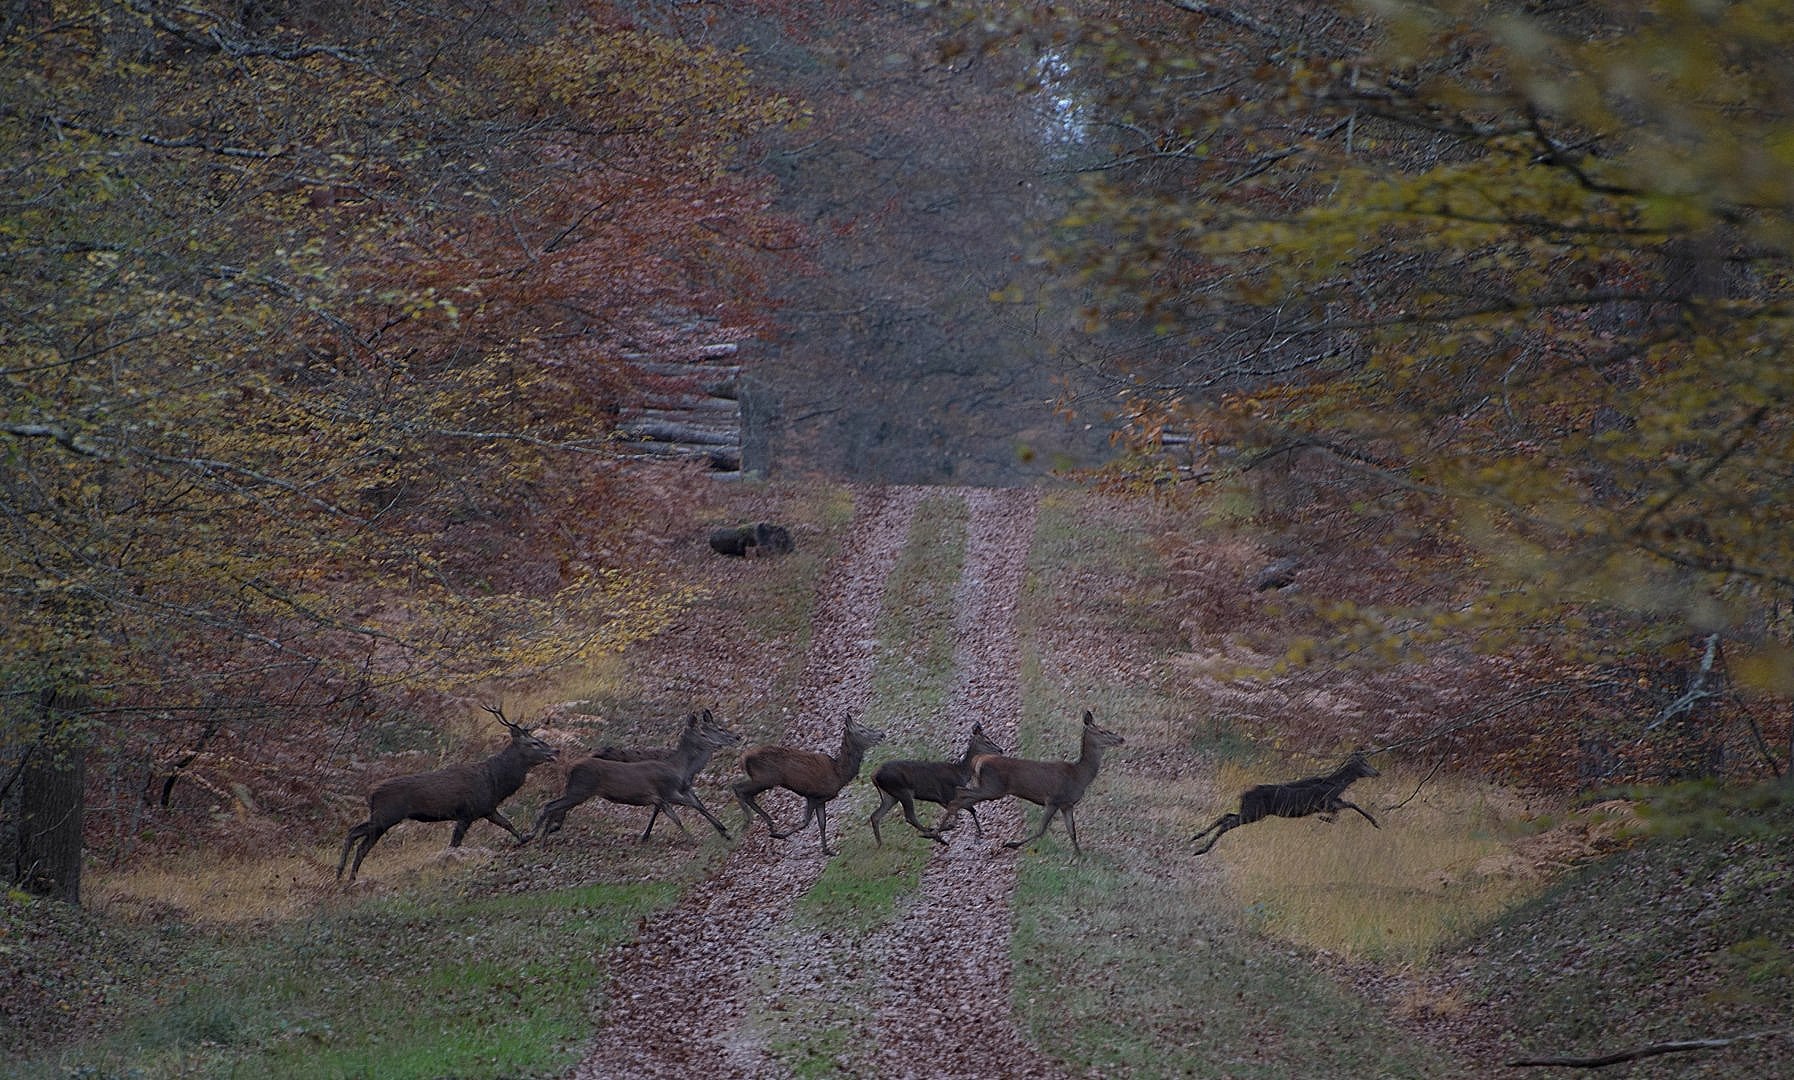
1601 1061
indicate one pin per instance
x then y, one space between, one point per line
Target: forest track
689 996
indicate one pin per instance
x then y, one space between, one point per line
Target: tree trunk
40 846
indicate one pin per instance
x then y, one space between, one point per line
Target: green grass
913 660
1718 894
863 886
815 1052
1121 970
426 985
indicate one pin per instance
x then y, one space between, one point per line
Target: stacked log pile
689 409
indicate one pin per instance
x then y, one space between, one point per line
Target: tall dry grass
288 884
1440 865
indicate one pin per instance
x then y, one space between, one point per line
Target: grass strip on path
865 886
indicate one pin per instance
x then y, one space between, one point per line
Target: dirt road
689 998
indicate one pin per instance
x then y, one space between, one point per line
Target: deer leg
688 798
367 845
822 825
659 809
885 801
909 811
355 834
1367 817
549 821
1071 829
977 826
960 802
744 794
1224 823
504 823
460 832
809 812
1045 820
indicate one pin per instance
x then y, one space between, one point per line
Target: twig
1427 779
1697 688
1603 1060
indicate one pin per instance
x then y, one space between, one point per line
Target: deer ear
1089 718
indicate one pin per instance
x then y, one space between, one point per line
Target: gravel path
684 997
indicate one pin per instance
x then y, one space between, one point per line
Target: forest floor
732 944
1137 958
921 611
734 981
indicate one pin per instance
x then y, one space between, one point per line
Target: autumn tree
1509 280
315 334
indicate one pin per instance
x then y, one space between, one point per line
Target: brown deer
1056 785
817 777
1315 795
905 781
661 784
462 794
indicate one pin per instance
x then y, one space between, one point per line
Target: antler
499 712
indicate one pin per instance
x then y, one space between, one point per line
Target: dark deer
817 777
659 784
1315 795
1056 785
931 781
462 794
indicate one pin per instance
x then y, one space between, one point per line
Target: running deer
661 784
462 794
817 777
931 781
1299 798
1056 785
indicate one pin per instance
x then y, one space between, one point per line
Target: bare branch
1601 1061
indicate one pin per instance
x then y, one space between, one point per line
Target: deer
1056 785
1319 795
815 776
905 781
656 753
462 793
648 781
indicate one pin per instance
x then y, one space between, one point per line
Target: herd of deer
662 779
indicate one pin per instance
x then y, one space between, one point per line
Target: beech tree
1517 275
312 346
